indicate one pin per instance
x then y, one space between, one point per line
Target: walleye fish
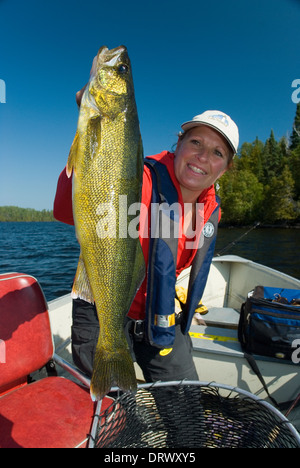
106 159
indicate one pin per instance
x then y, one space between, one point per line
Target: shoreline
260 226
221 226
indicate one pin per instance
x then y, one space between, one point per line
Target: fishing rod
231 244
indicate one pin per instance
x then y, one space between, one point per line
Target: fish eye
123 69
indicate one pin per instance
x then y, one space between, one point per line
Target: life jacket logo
208 230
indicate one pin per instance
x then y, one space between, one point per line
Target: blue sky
238 56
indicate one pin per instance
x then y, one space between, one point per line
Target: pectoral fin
81 287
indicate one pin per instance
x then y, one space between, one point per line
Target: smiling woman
201 157
204 152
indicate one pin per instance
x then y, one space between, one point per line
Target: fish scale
106 158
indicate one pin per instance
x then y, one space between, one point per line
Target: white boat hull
216 350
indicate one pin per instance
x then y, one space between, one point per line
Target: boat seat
54 412
225 317
215 340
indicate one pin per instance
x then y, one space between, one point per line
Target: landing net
194 415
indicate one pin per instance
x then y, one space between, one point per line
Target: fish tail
111 370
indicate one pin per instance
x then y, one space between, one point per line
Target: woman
159 337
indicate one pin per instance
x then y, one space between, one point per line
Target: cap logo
220 118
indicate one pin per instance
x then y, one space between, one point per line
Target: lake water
49 251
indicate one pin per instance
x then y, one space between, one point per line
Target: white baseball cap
220 122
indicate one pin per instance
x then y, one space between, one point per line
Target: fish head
111 83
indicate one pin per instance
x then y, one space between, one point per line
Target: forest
264 183
14 213
262 186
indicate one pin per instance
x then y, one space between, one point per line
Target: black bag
269 325
270 322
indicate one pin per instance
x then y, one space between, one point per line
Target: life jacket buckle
139 329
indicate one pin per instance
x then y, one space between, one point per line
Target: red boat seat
54 411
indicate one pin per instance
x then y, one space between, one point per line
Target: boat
216 350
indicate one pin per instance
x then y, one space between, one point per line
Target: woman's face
201 157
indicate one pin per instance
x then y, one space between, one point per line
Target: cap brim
191 123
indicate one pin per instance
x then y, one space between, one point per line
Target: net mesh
192 416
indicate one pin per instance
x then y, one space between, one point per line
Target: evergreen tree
294 161
257 159
241 197
272 158
244 161
279 204
283 147
295 138
252 158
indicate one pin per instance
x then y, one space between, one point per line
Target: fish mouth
111 57
196 169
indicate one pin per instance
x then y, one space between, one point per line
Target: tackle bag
269 325
270 322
